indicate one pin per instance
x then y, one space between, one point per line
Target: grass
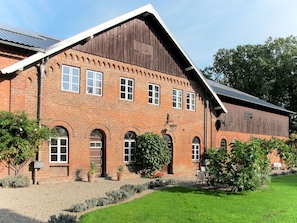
274 204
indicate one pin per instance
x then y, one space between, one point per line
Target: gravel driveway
35 204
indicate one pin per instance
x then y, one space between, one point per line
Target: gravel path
35 204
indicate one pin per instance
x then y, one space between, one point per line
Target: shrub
156 183
117 196
62 218
78 207
141 187
171 182
104 201
129 188
246 167
15 181
152 153
91 203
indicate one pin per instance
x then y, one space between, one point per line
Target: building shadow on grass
8 216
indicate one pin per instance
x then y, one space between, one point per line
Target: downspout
206 109
40 86
41 73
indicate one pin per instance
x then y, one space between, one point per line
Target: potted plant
92 172
120 172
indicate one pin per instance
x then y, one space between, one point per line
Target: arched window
129 147
59 146
196 149
96 139
223 144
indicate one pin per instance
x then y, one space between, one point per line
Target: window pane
75 72
54 158
63 142
54 141
66 86
75 88
66 69
63 158
66 78
63 149
90 74
54 149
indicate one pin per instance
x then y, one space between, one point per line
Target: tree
268 71
20 137
247 165
152 153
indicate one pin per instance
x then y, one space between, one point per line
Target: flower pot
120 176
91 177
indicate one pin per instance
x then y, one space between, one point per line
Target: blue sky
201 27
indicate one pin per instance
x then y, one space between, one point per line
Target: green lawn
277 203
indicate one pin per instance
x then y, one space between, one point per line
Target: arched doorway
168 139
97 151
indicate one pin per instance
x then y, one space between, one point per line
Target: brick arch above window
129 129
64 124
97 126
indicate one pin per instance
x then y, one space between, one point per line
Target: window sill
59 164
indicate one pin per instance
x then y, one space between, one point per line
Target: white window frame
94 83
129 150
126 89
129 147
191 104
153 94
177 98
59 152
196 151
96 144
70 79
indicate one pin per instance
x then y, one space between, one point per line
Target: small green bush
117 195
152 153
129 188
78 207
91 203
104 201
15 181
141 187
62 218
156 183
171 182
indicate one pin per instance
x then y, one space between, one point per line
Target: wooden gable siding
133 42
253 121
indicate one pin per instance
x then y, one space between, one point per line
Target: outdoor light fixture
172 126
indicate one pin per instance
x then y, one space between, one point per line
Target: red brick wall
81 113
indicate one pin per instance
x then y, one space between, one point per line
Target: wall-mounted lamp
172 126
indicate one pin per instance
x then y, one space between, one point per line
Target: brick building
101 88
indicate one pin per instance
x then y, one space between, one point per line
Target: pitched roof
25 39
146 12
229 92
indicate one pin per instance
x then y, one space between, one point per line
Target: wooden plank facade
136 43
